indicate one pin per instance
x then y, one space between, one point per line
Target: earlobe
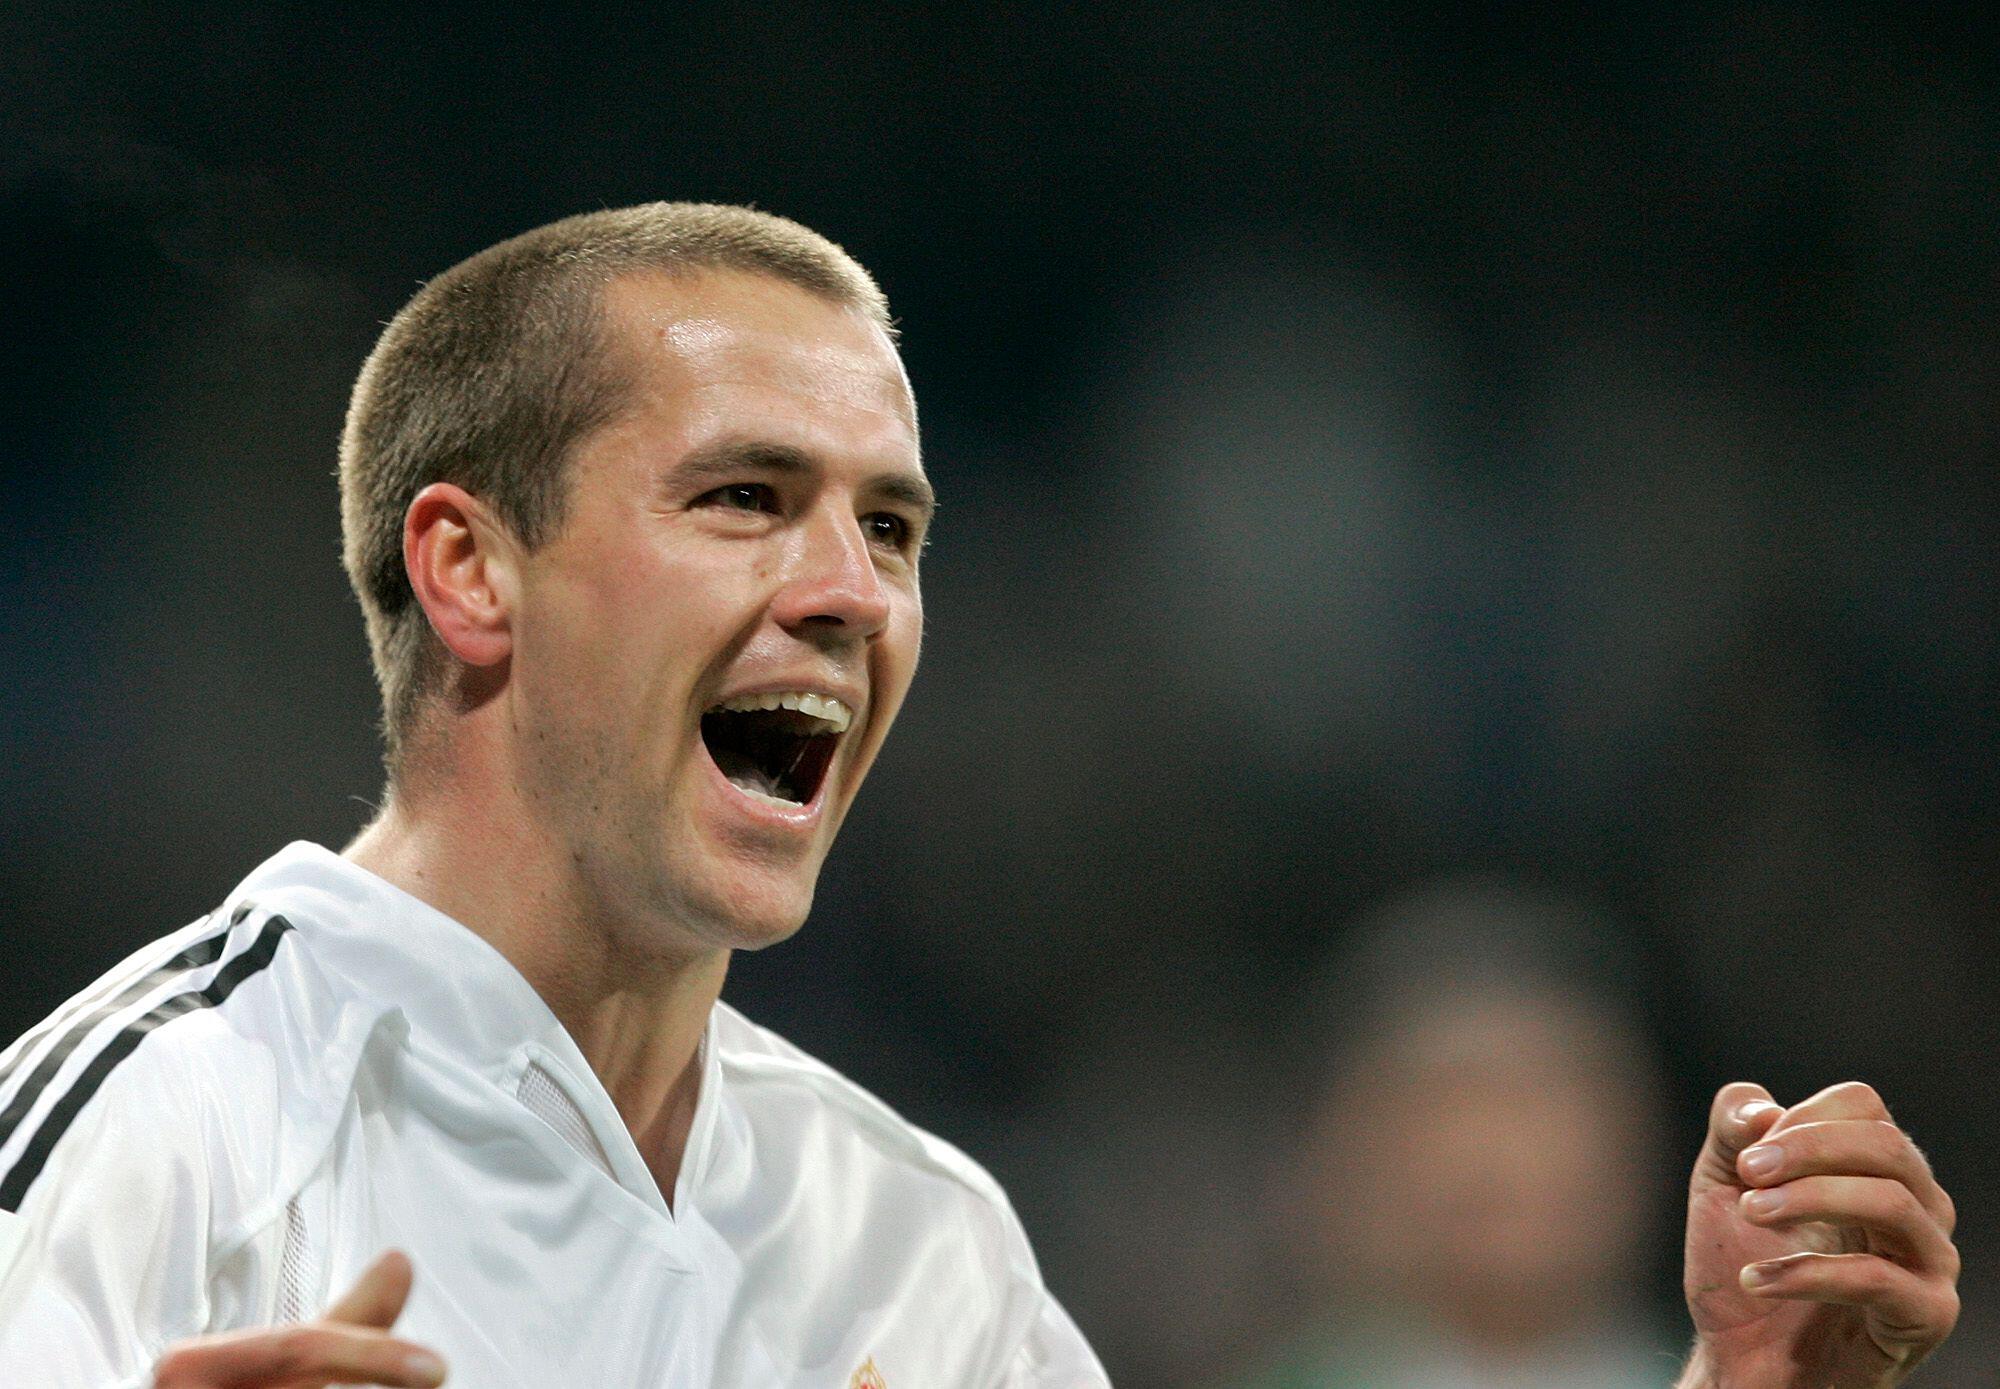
461 566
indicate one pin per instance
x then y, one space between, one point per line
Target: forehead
734 343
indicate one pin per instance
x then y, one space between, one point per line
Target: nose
833 586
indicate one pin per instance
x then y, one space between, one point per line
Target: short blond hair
496 369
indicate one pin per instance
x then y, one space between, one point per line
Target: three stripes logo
84 1026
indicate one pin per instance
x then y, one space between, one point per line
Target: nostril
864 611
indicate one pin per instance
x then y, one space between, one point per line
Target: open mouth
777 746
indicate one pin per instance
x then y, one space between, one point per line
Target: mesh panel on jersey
298 1280
550 1103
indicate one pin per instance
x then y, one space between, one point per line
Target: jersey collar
459 995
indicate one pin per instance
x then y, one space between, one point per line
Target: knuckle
1862 1095
1948 1308
1904 1205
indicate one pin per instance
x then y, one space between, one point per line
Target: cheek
893 667
905 638
614 657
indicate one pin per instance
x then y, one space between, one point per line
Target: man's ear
463 565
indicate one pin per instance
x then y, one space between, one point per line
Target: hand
1819 1251
349 1344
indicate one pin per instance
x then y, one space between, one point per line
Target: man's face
745 535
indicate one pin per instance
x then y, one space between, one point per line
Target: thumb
1743 1112
377 1297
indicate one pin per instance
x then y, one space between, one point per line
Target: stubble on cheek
568 777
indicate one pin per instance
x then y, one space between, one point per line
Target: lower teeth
757 784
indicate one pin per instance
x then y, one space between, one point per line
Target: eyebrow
725 459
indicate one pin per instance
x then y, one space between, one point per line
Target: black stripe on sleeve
57 1121
79 1024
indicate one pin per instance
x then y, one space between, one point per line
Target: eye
886 528
741 496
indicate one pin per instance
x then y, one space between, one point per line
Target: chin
752 915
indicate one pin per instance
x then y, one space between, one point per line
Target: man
634 507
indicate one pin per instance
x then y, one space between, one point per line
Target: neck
638 1017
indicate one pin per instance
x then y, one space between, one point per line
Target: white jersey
224 1131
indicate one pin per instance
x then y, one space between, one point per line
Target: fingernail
1758 1275
421 1364
1750 1109
1764 1202
1763 1159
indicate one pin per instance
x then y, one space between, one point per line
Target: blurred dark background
1378 450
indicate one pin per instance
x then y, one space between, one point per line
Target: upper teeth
817 705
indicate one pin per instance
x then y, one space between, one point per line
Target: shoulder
893 1185
207 1057
842 1185
766 1071
148 1126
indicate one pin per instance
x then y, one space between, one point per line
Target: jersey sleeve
1054 1355
103 1262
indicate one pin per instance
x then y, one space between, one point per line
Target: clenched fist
1819 1251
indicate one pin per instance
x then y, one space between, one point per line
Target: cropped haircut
495 370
